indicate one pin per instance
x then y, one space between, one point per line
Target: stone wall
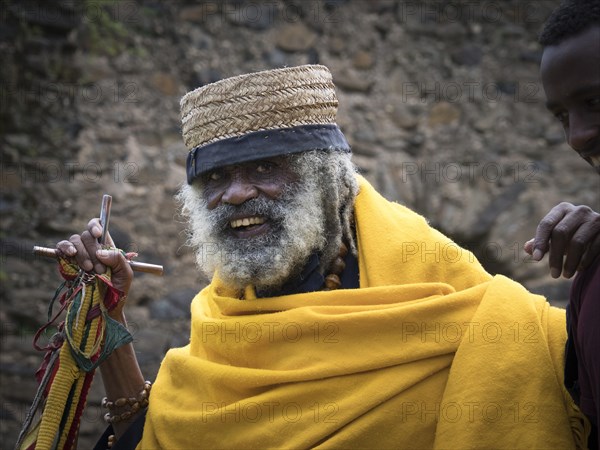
440 101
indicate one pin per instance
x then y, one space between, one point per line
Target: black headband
264 144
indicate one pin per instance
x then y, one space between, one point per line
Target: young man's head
570 71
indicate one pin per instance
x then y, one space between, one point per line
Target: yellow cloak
430 352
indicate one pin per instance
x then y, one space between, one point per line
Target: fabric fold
421 356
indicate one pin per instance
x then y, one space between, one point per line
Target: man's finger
95 229
66 248
81 256
545 228
122 274
570 238
91 245
112 258
577 246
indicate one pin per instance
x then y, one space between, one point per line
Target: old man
334 317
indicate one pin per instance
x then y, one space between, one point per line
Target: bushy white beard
297 220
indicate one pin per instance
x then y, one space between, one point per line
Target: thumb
122 274
111 258
114 259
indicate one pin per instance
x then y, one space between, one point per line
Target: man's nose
238 191
581 132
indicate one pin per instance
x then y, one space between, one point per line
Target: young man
570 72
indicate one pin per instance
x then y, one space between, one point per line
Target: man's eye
264 167
594 102
214 176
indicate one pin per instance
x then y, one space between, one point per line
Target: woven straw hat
260 115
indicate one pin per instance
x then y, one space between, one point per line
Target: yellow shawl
430 352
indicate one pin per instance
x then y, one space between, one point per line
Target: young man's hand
571 234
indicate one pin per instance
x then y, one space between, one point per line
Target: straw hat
260 115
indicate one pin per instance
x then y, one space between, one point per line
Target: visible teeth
247 221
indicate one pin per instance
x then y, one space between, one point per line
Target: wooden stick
137 266
104 221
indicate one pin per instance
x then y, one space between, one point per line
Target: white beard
297 220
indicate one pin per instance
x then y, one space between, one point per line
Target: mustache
272 210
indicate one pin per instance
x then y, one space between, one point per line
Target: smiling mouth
246 223
249 227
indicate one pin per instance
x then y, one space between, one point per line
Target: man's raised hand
90 255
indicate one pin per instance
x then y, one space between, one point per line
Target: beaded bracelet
133 405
